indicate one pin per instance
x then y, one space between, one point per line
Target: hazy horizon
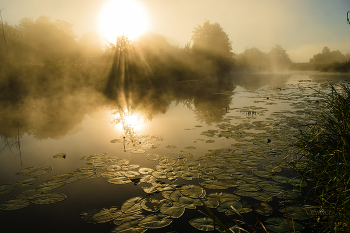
303 28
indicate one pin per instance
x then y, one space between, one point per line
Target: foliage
327 56
278 57
211 45
324 161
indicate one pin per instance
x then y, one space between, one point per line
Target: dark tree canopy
279 57
212 45
328 56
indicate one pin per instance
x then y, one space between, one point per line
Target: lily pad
226 207
263 209
119 180
14 204
145 171
214 184
296 212
132 205
106 215
5 189
192 191
48 198
150 204
155 221
202 224
26 182
172 209
60 155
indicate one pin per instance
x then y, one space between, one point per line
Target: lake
83 163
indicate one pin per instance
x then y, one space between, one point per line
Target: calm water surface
244 114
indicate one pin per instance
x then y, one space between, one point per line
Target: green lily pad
145 171
214 184
119 180
60 155
226 207
298 182
14 204
127 217
223 197
190 203
48 198
132 205
5 189
296 212
172 209
263 209
27 171
59 178
26 182
249 187
202 224
155 221
192 191
150 204
129 227
190 147
281 179
281 225
106 215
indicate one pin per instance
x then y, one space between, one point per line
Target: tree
212 46
327 56
279 58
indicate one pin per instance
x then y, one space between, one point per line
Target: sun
118 17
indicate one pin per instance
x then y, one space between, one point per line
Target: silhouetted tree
211 46
279 58
253 59
327 56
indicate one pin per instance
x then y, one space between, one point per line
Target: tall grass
324 162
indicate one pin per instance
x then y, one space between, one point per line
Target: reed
323 160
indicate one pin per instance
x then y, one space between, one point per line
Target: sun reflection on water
129 123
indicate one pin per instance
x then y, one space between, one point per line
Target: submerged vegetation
323 162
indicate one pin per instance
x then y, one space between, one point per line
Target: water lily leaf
296 212
59 178
223 197
49 186
190 175
247 194
60 155
175 195
211 202
5 189
153 157
128 217
26 182
298 182
41 171
173 175
226 207
48 198
155 221
122 162
273 189
263 209
88 216
129 227
189 203
214 184
31 193
181 169
150 204
281 179
202 224
119 180
249 187
160 174
132 205
14 204
172 209
171 146
27 171
192 191
106 215
146 171
212 171
131 174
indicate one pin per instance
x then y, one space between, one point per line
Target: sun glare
118 17
129 122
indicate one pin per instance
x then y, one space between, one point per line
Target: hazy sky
302 27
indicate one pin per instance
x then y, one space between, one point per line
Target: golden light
118 17
128 122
